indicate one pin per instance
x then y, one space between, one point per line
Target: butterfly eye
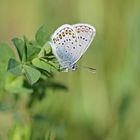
73 67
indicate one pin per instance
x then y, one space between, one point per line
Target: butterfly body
69 43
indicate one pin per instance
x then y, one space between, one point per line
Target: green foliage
15 85
20 47
35 57
31 73
42 35
31 80
15 67
44 65
32 49
5 54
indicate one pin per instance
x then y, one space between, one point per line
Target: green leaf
32 49
45 50
14 67
21 48
5 54
31 74
42 35
15 85
55 64
44 65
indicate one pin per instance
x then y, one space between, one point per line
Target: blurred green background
101 106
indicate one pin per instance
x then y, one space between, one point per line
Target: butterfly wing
63 42
85 35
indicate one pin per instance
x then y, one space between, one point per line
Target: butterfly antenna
90 69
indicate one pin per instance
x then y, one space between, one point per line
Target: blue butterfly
70 42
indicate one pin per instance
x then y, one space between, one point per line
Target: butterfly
70 42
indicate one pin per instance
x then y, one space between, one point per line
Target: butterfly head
73 67
68 68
